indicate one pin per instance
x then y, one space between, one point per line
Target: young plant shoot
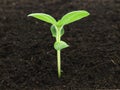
57 29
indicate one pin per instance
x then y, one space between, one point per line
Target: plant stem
58 38
59 63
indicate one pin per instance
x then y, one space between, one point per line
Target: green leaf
72 16
44 17
53 31
60 45
62 32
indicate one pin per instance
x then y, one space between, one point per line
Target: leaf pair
60 45
57 26
54 31
66 19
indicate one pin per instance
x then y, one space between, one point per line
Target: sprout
57 29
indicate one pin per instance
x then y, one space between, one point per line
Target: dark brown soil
27 56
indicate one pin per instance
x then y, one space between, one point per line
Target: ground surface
27 57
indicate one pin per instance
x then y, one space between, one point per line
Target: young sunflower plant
57 29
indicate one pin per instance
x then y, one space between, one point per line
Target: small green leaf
53 31
44 17
62 32
72 16
60 45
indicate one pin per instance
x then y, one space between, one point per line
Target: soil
27 56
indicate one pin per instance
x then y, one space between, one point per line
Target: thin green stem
59 63
58 38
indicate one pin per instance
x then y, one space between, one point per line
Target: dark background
27 56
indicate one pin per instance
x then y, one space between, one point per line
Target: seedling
57 29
